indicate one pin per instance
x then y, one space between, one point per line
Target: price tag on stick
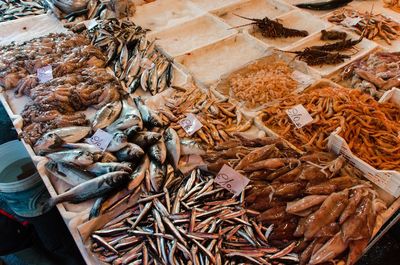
190 124
100 139
231 180
299 116
44 74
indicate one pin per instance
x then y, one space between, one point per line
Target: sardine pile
79 81
370 128
314 199
135 61
219 117
14 9
196 222
374 74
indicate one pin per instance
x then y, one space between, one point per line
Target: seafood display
313 203
14 9
77 80
135 61
369 128
197 221
392 4
375 74
368 25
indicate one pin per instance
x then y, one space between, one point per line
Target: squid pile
14 9
197 222
135 61
368 25
77 80
370 128
218 116
314 202
374 74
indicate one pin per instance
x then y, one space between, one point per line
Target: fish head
131 131
120 137
117 178
47 143
84 158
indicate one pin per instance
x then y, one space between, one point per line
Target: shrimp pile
218 116
315 201
370 129
263 83
79 81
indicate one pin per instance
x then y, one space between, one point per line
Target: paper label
231 180
45 74
90 23
190 124
100 139
146 63
299 116
350 21
303 79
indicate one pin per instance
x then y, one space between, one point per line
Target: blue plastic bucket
20 184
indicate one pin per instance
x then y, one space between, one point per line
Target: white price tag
100 139
146 63
299 116
303 79
90 23
350 21
231 180
45 74
190 124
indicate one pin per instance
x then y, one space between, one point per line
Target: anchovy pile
135 61
138 144
196 222
14 9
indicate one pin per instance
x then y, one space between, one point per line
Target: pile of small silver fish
14 9
194 222
135 61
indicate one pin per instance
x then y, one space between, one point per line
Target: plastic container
20 184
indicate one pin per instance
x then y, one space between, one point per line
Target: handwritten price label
90 24
100 139
231 180
45 74
299 116
190 124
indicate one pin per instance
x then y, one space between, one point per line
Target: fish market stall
211 132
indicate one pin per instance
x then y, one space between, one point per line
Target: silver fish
130 117
191 147
139 174
149 116
100 168
67 173
71 134
145 139
91 189
157 175
48 143
129 152
82 146
173 146
119 141
77 157
107 115
158 151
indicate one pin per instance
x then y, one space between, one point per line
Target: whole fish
139 174
158 151
173 145
71 134
191 147
77 157
67 173
91 189
100 168
107 115
157 175
129 152
145 139
149 116
48 143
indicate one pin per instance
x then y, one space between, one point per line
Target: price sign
231 180
45 74
190 124
350 21
303 79
100 139
90 24
299 116
146 63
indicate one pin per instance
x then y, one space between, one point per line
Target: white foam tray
209 5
